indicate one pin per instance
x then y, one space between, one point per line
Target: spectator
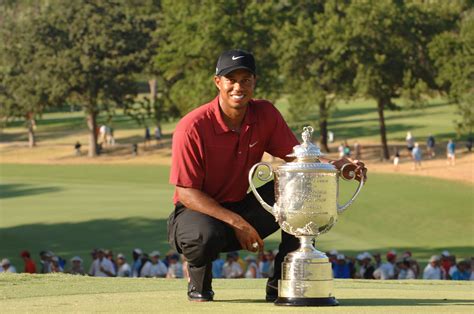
366 270
447 262
267 263
110 256
413 263
45 261
103 134
451 153
430 146
463 271
433 271
410 140
252 268
341 267
56 266
469 143
124 270
387 269
137 262
158 135
102 266
109 133
396 159
417 156
377 260
77 148
175 268
76 266
30 266
232 268
154 267
147 136
330 137
347 150
134 149
404 270
217 267
7 266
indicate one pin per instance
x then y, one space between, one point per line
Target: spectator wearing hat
414 265
7 266
447 262
123 268
110 256
404 270
366 270
56 265
462 272
45 262
175 268
30 266
267 264
102 266
433 270
341 268
232 268
137 262
387 269
252 268
154 267
76 266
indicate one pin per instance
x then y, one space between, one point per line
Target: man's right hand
248 236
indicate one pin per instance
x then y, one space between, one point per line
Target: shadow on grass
17 190
403 302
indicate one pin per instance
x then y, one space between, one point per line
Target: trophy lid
307 151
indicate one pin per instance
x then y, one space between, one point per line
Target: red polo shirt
210 157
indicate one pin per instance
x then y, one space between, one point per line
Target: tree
25 89
453 55
193 34
314 59
389 46
99 50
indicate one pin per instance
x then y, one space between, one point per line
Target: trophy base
282 301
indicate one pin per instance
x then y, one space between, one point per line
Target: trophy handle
261 176
349 175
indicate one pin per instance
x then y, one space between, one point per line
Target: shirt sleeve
187 168
282 139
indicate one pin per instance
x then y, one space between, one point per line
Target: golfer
214 147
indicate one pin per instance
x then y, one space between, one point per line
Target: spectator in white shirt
433 271
232 268
387 269
7 266
404 270
123 269
102 267
154 267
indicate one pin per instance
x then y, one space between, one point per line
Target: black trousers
200 238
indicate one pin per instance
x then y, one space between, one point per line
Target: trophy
306 205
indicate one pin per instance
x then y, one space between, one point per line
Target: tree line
91 53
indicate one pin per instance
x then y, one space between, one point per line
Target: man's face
235 88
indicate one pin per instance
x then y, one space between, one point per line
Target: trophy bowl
306 205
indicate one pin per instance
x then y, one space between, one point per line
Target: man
30 266
76 266
214 147
433 271
154 267
124 270
387 269
102 266
7 266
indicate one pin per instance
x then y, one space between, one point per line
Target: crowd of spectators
364 266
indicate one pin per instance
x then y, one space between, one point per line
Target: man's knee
201 246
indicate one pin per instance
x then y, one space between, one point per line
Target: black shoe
271 290
196 296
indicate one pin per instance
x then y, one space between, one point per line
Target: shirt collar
218 121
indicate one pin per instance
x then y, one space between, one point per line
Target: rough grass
71 209
66 293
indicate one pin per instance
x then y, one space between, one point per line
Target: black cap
235 59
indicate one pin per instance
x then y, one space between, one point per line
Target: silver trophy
306 205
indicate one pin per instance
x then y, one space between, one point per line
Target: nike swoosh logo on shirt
235 58
252 145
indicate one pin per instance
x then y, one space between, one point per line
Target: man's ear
217 80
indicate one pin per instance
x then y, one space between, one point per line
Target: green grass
65 293
72 209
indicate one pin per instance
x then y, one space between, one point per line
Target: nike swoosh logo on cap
235 58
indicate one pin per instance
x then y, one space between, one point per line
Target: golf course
51 199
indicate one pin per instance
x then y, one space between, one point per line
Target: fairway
71 209
66 293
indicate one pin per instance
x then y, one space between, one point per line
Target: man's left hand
354 165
